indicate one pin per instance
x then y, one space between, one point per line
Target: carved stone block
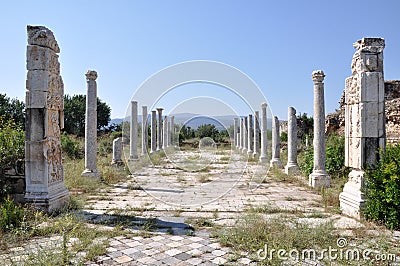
372 85
36 99
42 58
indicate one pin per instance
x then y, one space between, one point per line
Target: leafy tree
207 130
12 109
186 133
74 114
306 124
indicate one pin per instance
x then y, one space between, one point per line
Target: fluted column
292 167
276 145
263 155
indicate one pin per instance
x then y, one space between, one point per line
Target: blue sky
276 43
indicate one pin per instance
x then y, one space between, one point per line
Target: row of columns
161 131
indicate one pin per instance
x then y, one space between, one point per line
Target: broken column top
42 36
374 45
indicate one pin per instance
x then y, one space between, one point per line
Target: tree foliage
74 114
12 109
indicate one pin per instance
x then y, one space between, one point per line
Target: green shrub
284 137
71 147
382 189
105 145
12 141
334 157
11 215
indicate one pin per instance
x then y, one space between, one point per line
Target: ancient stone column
44 172
172 130
256 126
250 135
117 152
292 167
159 129
165 132
240 140
276 144
235 131
263 155
364 119
91 126
245 134
319 178
133 155
145 130
153 131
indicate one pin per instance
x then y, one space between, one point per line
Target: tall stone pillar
159 129
245 134
240 140
364 119
145 130
165 132
256 126
276 145
263 155
153 131
44 172
319 178
292 167
117 152
91 126
250 135
134 132
172 131
235 131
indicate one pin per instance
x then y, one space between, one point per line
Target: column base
292 169
263 158
319 179
133 158
91 173
255 154
244 150
48 202
249 152
276 162
352 199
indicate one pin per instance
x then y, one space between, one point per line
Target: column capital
91 75
264 105
318 76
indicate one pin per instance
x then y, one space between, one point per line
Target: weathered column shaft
250 135
159 129
235 131
172 130
256 134
91 125
245 134
153 131
165 132
134 131
276 144
145 130
240 140
117 151
292 166
319 178
263 155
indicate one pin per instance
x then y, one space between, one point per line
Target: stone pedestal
235 131
153 131
44 172
133 151
159 129
364 119
292 167
276 145
145 130
263 155
91 126
319 178
256 134
117 152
